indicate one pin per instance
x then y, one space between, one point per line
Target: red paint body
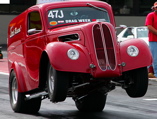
25 51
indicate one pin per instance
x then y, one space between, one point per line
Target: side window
34 23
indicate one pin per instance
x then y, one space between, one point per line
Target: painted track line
3 73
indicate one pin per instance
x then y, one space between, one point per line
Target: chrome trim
113 48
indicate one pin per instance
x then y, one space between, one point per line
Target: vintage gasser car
70 49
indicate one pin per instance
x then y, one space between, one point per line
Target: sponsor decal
84 20
99 20
62 21
71 21
53 23
14 31
93 19
77 20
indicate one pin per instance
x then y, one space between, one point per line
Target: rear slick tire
17 99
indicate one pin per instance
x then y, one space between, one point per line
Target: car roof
71 3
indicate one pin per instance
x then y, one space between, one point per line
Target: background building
128 12
120 7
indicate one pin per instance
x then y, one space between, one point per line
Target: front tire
92 103
17 99
57 83
139 79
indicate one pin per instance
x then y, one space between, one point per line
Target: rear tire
139 77
92 103
17 99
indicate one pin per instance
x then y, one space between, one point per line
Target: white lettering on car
84 20
56 14
75 20
15 31
71 21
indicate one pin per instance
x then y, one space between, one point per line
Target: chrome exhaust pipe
36 95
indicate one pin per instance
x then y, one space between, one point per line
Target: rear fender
19 76
57 53
143 59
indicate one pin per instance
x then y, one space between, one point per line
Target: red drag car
70 49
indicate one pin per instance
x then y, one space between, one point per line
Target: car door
33 47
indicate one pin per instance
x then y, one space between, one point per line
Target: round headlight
132 51
73 54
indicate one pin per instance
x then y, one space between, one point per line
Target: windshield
76 15
142 32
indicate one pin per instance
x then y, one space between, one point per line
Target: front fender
57 53
142 60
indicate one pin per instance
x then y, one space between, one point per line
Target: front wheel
92 103
139 82
57 83
17 99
